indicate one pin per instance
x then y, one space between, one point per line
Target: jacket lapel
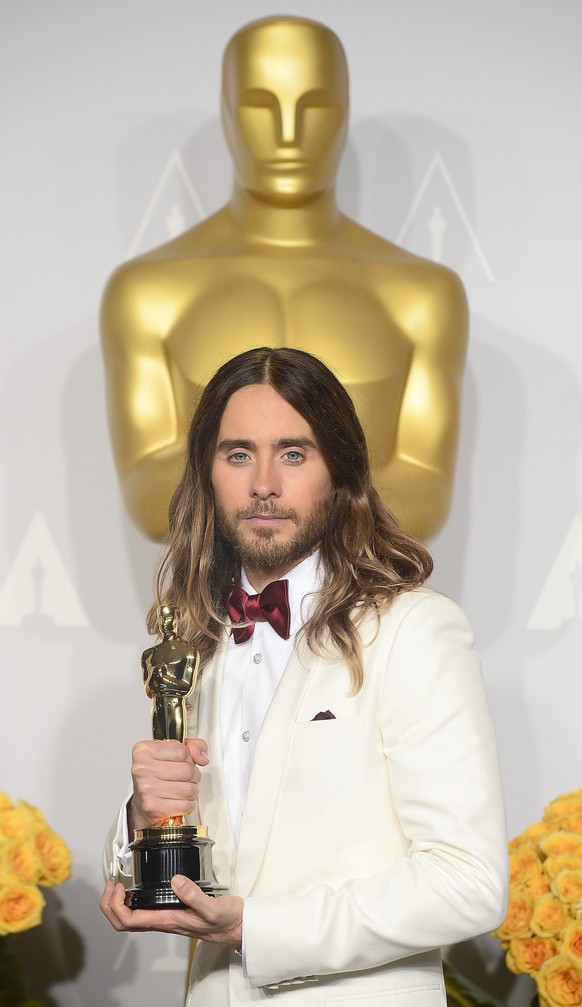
268 765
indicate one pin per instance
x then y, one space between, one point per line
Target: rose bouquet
31 856
542 932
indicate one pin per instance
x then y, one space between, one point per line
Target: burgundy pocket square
325 715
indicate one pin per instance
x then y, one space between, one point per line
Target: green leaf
462 992
12 982
8 998
11 974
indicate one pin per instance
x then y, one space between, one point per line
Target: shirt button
257 658
246 736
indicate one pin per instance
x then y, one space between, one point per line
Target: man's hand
165 780
218 920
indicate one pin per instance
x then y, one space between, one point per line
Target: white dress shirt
252 672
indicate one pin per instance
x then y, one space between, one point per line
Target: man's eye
238 457
294 456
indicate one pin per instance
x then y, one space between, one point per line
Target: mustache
265 510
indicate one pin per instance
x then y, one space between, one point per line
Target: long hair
367 558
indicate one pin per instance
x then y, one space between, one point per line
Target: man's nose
265 482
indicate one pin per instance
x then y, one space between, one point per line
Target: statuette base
159 854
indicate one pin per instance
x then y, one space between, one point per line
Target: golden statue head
167 620
285 108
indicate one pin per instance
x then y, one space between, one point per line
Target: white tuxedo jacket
369 840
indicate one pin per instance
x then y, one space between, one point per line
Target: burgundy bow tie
271 605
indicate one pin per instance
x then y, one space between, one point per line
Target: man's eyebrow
281 442
294 442
228 443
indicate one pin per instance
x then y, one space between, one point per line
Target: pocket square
324 715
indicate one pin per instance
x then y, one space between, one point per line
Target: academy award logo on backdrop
173 207
560 599
428 222
37 589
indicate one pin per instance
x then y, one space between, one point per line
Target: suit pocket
322 729
417 996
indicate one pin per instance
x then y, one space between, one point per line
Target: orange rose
572 939
21 906
560 841
525 866
55 857
562 862
21 859
549 916
567 885
559 982
517 923
528 954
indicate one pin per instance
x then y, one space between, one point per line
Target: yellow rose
16 823
567 885
535 832
5 802
565 804
55 857
571 939
560 841
559 982
517 923
528 954
549 917
562 862
21 859
21 906
525 866
36 815
538 886
572 823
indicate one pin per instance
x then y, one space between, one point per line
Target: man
349 774
281 262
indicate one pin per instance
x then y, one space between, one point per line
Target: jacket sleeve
445 787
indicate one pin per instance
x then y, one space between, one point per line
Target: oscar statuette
170 673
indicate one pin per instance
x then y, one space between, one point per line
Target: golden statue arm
417 481
148 439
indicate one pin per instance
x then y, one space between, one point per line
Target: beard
263 550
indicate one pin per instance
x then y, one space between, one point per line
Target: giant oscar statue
281 265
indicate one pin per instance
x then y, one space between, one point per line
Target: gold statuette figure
280 265
170 672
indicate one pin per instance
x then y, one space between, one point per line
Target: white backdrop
111 142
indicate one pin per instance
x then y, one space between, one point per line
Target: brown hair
367 558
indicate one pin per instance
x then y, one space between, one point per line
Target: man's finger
108 906
198 750
191 895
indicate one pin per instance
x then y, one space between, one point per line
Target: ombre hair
366 557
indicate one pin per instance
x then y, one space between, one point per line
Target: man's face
271 485
285 111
